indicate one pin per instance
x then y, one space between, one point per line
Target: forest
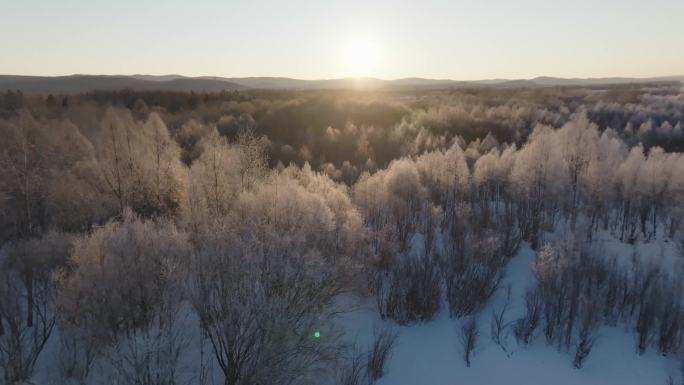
158 238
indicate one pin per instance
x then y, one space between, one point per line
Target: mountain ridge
79 83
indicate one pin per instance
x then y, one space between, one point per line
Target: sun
361 56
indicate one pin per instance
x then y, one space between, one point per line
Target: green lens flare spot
317 334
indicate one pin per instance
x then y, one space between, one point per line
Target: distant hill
422 83
157 78
551 81
342 83
85 83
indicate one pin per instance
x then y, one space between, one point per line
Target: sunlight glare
361 56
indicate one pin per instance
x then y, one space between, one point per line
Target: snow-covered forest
322 237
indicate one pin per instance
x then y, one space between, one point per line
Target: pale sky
316 39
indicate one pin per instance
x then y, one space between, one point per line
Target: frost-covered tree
577 141
539 176
629 182
162 167
404 196
265 278
221 173
24 171
139 164
491 176
252 161
445 174
214 180
655 174
348 231
392 200
123 274
599 181
121 296
27 312
33 162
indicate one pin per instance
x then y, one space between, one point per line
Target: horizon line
369 77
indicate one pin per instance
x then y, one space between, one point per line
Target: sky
317 39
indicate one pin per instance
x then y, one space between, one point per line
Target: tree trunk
29 297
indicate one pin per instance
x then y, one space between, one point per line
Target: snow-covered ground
430 353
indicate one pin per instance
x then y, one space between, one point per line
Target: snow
430 353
